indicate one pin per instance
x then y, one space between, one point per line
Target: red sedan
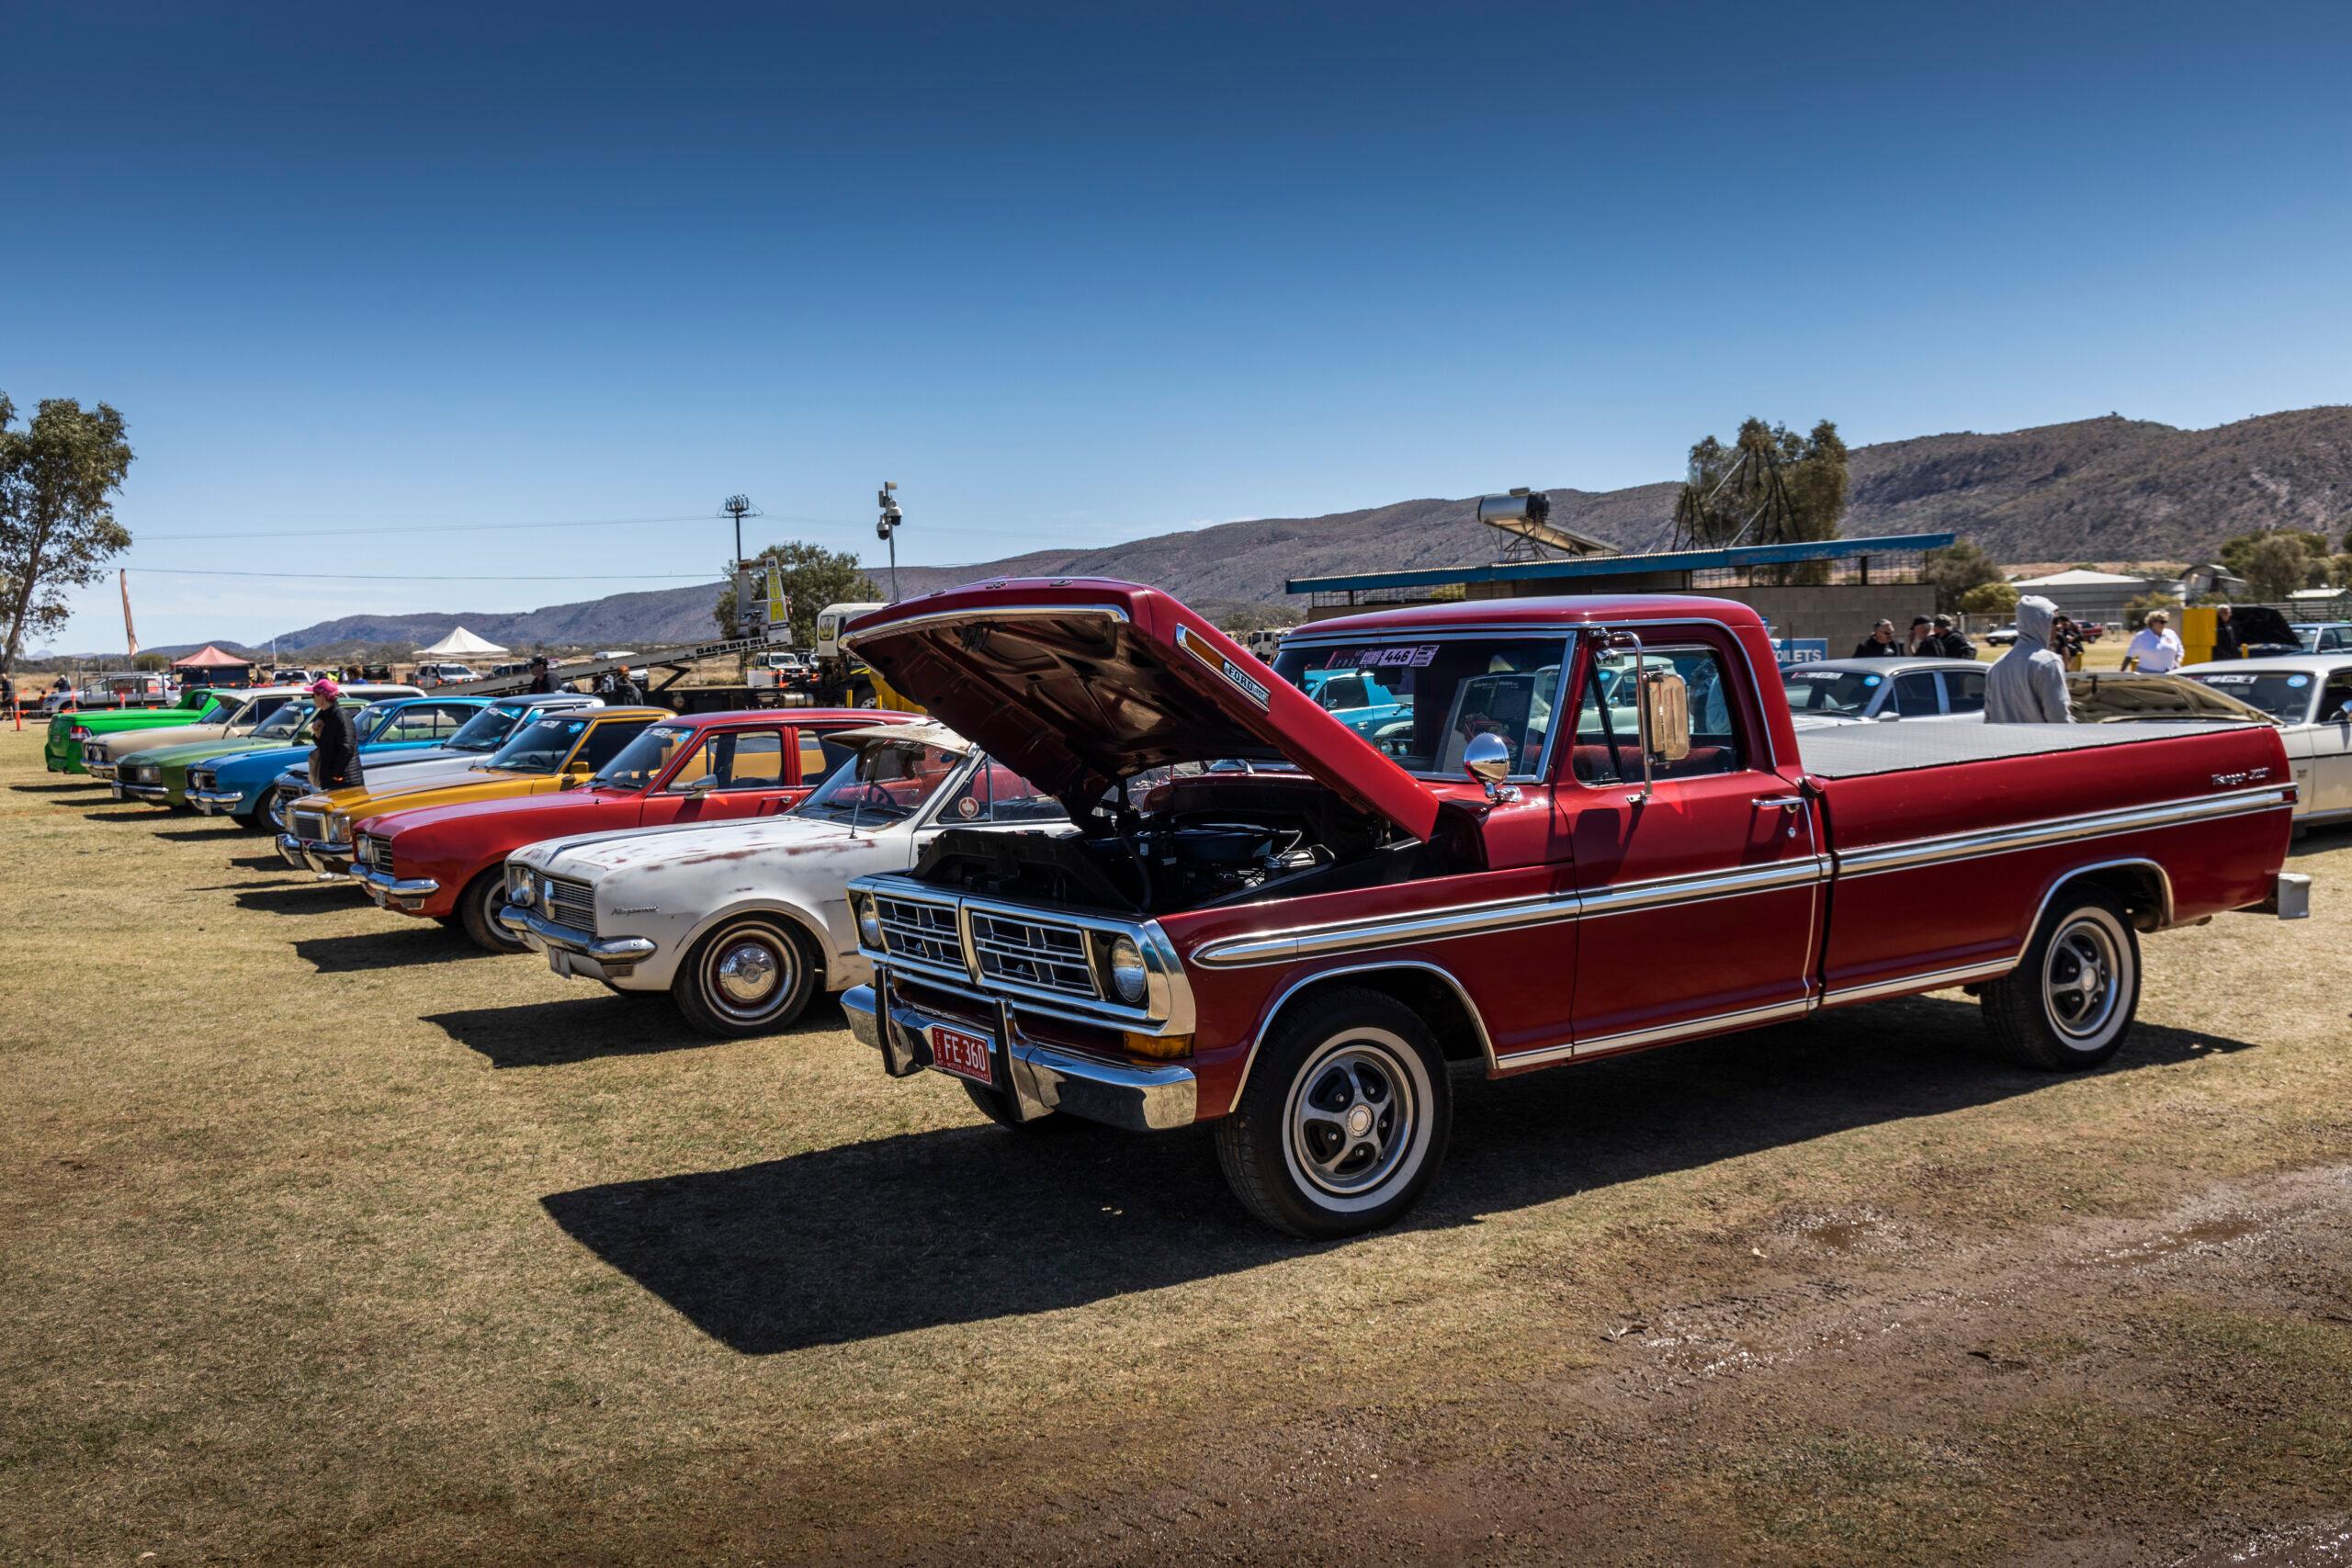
447 862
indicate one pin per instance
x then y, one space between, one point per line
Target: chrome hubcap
747 974
2082 980
1352 1119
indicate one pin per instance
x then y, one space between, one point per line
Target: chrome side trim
2059 829
1660 1035
993 612
1625 898
1436 925
1933 980
1478 1020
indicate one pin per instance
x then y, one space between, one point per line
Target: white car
443 675
1855 690
741 922
2310 696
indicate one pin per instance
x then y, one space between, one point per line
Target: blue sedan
234 785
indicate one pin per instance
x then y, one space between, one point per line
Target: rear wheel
2071 999
753 976
1345 1120
478 909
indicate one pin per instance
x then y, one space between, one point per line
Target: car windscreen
255 711
373 720
1422 702
892 780
2284 694
1831 692
283 724
487 729
641 761
539 747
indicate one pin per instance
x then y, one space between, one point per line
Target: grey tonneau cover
1850 751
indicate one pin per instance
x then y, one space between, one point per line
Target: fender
1281 999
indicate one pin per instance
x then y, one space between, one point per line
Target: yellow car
562 750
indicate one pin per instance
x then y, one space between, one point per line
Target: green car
159 774
61 752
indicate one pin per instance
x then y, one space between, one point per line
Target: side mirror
1487 759
702 785
1666 715
572 779
1889 717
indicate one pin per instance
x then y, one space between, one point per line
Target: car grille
924 932
378 853
199 778
307 825
1033 953
571 904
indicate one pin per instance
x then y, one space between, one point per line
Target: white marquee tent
460 644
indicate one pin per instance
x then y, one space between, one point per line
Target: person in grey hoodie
2028 685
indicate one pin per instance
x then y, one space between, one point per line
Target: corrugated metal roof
1625 565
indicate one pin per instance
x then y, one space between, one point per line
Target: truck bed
1858 751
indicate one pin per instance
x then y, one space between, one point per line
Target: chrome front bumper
1042 1078
316 854
154 794
570 951
96 770
215 802
408 893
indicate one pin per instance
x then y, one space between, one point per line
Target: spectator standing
624 691
2027 684
2155 648
335 739
2066 641
7 694
2227 643
1879 643
542 681
1949 642
1922 629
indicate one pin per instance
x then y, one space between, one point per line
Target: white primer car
2311 698
740 922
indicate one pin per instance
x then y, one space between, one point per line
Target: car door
1963 693
745 770
2330 744
1698 906
1917 694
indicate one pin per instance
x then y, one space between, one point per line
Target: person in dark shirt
1879 643
625 692
2066 641
542 680
334 740
2227 643
1947 642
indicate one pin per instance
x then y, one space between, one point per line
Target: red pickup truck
447 862
1541 831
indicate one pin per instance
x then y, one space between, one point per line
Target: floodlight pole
887 525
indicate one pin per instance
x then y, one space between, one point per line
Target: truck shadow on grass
310 897
967 1225
215 830
581 1029
57 788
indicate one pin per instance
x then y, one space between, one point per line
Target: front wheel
2071 999
478 909
1345 1119
751 976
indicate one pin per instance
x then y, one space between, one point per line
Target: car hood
123 742
1079 683
770 842
270 763
410 793
181 755
517 812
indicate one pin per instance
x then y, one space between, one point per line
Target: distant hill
2105 489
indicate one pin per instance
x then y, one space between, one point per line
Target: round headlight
869 924
1128 972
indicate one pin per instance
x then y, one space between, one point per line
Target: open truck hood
1079 683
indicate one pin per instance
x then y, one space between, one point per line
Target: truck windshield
1422 702
2284 694
1839 692
892 780
539 747
487 729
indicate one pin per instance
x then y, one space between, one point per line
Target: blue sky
1072 275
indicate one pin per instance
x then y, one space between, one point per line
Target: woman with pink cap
334 740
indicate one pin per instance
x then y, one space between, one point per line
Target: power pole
739 507
886 529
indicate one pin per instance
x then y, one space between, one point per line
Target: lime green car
159 773
61 749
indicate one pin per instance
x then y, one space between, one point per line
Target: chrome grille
925 933
307 825
378 853
199 778
571 904
1033 953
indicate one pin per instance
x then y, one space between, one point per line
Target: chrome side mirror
1487 759
1666 715
699 786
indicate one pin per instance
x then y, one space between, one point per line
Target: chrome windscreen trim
1915 852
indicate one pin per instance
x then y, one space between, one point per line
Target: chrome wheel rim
750 973
2082 980
1354 1115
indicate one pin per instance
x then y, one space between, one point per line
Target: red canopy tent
208 666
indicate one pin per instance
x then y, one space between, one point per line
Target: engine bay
1193 842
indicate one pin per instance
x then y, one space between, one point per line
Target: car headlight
869 924
338 826
1128 971
523 887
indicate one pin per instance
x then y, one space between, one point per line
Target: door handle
1785 801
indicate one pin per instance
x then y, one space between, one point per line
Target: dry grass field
324 1238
